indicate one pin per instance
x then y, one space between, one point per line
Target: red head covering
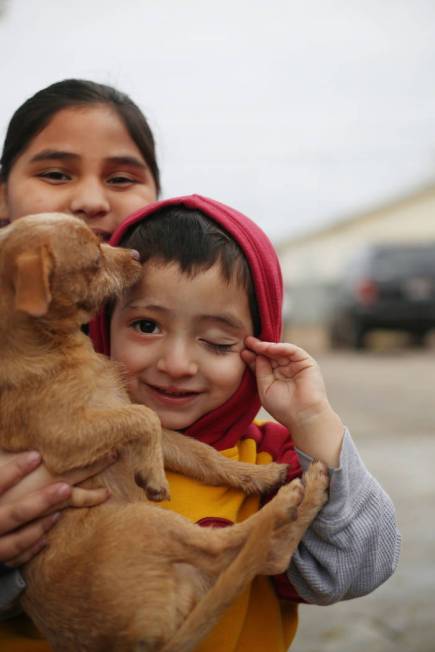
225 425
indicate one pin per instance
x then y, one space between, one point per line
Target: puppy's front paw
287 501
263 478
154 484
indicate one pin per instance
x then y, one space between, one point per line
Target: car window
404 261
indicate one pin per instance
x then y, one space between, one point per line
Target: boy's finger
18 544
264 370
252 342
17 468
248 358
266 348
33 506
279 351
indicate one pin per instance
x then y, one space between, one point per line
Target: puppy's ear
32 281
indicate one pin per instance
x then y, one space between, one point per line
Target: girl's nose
89 201
176 361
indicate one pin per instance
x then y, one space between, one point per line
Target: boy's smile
179 338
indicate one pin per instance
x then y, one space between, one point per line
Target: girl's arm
30 503
30 500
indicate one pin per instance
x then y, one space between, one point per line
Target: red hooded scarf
232 421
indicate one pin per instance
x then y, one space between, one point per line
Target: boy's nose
177 362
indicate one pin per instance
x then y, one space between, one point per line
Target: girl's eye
145 326
219 348
120 180
56 176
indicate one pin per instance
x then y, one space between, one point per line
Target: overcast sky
297 113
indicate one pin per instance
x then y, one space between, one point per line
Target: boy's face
179 339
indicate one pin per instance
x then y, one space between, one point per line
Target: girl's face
179 340
83 163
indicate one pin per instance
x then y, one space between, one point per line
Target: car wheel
336 339
418 338
357 336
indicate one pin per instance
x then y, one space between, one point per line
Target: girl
86 149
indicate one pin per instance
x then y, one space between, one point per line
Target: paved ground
387 398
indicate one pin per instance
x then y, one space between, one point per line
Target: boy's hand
290 384
292 390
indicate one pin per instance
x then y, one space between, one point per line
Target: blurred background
317 119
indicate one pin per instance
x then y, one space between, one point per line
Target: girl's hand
292 390
30 500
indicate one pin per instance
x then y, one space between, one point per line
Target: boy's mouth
104 236
174 393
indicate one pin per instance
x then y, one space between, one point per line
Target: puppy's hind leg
316 483
213 549
229 584
249 560
314 486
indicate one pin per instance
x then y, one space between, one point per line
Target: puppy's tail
227 587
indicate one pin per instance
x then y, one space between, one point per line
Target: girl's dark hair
36 112
192 240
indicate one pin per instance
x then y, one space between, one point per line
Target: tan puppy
126 575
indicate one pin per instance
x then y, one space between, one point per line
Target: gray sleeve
11 586
353 545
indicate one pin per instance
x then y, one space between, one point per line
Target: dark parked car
387 287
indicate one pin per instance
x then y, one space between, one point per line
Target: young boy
198 338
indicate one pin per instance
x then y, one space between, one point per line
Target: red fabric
273 438
285 589
214 521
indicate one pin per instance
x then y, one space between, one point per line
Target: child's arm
292 390
353 544
30 500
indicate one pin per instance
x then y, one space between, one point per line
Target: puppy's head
53 266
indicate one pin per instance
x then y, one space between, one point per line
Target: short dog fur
127 575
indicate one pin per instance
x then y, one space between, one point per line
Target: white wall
319 258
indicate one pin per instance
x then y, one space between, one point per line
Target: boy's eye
219 348
56 176
145 326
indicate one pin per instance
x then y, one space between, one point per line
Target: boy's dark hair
36 112
192 240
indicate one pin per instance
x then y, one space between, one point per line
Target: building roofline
344 223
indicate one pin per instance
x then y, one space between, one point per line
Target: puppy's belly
103 566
